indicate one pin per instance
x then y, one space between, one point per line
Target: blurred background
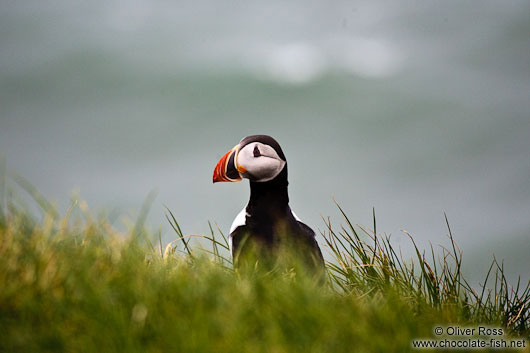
415 108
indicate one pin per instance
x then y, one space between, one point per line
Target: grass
76 284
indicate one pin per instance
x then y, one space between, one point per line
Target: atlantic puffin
267 222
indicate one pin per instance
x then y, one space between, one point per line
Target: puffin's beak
226 169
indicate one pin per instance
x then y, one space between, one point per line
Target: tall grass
76 284
367 264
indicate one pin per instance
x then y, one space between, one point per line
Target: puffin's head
258 158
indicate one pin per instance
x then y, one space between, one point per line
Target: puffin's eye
256 151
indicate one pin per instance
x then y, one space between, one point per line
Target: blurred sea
412 107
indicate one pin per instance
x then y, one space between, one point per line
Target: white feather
240 220
296 217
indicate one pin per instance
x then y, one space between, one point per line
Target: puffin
267 223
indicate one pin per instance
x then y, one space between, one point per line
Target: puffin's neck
269 198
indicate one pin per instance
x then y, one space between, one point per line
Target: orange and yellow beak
226 169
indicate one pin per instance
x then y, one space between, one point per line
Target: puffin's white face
251 159
258 162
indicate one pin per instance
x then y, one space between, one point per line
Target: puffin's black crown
265 139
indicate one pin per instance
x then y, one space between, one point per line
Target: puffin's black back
252 243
